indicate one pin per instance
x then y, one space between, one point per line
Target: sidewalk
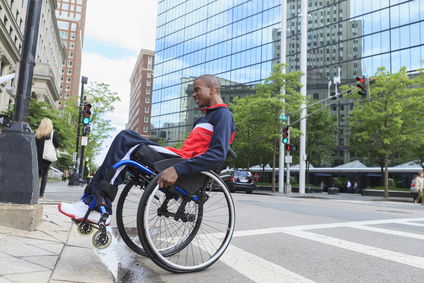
54 252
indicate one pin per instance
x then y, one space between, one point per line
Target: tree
388 119
257 116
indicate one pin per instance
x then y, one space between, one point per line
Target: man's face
201 93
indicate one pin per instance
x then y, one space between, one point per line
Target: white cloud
128 24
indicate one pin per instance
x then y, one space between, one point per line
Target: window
68 87
145 129
149 66
150 58
149 75
147 90
72 35
146 109
67 95
68 80
64 34
72 45
71 54
148 83
147 100
69 73
146 119
69 63
73 27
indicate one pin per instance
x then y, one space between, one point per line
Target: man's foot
78 210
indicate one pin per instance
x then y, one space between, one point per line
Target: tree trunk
386 175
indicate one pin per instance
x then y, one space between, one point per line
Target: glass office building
239 41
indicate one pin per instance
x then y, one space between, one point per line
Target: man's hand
168 177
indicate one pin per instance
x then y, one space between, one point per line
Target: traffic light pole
288 185
75 179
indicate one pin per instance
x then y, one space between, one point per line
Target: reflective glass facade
239 41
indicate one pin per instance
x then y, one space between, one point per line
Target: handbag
49 152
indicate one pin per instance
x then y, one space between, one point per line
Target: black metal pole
75 180
27 62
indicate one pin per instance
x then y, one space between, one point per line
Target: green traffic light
86 121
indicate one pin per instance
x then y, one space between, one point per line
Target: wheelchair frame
180 230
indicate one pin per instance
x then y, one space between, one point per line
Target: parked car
237 180
414 191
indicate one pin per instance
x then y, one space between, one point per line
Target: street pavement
55 252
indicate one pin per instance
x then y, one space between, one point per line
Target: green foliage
257 124
390 119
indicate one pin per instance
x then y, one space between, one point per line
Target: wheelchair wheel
126 215
192 242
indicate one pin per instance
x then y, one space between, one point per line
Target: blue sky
114 36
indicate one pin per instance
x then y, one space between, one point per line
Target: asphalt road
298 238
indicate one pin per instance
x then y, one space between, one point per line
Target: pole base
21 216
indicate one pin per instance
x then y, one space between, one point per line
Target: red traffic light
87 106
360 79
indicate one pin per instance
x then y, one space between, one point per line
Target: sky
114 35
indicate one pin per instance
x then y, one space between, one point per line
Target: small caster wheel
85 229
102 240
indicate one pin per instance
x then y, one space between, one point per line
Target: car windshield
241 174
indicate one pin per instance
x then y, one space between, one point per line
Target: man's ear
212 90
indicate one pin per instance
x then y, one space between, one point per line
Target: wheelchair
184 228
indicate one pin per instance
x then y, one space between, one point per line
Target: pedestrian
205 148
419 183
255 180
355 187
322 186
65 175
348 186
44 132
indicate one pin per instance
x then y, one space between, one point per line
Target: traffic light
86 113
291 147
361 84
285 135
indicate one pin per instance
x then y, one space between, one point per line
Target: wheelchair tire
126 216
191 244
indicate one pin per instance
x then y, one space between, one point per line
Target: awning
323 174
373 175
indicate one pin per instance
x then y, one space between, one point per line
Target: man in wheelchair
205 149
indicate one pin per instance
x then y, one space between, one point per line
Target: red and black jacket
207 145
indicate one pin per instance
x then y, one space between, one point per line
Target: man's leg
119 149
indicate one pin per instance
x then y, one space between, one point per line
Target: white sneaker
78 210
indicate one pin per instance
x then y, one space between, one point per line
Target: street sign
74 156
282 117
84 141
289 159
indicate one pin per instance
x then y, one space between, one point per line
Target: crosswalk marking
261 270
258 269
414 261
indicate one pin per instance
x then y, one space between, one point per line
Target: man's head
207 91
